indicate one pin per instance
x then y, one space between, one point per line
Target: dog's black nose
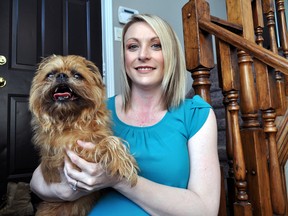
61 77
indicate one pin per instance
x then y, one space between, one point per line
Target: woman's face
144 61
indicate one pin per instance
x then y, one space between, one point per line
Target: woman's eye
132 47
157 46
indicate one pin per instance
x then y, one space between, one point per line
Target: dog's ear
45 60
92 67
48 58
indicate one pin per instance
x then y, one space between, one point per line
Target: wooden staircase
253 77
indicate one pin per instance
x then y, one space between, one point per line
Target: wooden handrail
235 28
264 55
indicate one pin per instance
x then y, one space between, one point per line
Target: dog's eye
50 75
77 75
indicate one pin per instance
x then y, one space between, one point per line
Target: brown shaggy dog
68 102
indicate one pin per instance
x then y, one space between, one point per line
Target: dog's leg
50 170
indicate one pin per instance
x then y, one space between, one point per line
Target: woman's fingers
85 166
88 175
88 145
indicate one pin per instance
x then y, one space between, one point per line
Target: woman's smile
145 69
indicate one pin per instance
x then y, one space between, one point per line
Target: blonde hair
173 83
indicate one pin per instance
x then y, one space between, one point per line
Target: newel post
198 47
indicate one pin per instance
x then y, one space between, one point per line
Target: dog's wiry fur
68 103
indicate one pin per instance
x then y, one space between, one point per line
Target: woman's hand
91 176
65 191
55 192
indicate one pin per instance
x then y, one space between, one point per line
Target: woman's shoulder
111 99
196 111
111 102
196 102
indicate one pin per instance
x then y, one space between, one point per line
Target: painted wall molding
107 46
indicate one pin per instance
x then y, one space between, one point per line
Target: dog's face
65 87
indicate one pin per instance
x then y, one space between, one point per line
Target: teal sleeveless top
161 152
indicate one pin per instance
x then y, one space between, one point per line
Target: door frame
107 46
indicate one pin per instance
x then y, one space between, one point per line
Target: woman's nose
144 54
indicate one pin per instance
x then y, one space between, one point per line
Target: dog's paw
115 156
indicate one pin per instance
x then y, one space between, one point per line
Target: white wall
170 10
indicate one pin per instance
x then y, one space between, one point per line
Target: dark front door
29 30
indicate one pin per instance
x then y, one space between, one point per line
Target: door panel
23 37
31 30
19 155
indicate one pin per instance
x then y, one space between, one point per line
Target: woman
173 139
